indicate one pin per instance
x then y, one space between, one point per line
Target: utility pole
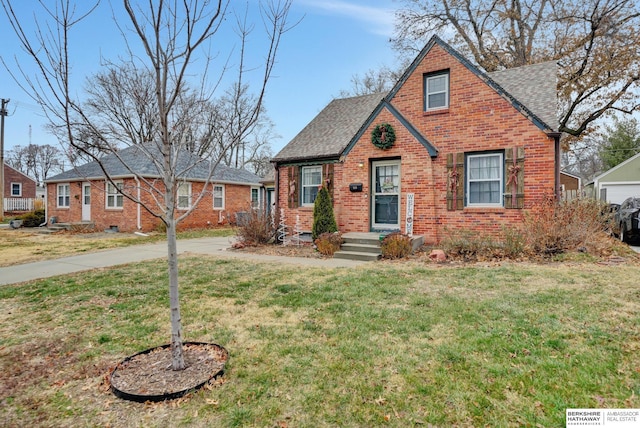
3 113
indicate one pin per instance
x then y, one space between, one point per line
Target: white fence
19 204
568 195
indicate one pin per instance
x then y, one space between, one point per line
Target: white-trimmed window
16 190
115 199
484 176
255 197
436 91
64 198
184 196
311 181
218 197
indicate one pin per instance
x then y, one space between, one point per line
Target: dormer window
436 91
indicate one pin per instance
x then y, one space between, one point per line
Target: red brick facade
133 217
27 184
478 120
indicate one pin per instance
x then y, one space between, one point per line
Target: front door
385 197
86 202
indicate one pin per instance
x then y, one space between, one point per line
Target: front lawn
381 345
28 245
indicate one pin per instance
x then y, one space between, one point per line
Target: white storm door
86 202
386 195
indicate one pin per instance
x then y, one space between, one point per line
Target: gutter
556 138
46 206
138 209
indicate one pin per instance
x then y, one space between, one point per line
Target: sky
334 40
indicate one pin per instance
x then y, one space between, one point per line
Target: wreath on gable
383 136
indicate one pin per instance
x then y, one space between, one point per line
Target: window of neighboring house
255 197
16 189
218 197
184 196
436 91
64 193
484 175
311 181
115 199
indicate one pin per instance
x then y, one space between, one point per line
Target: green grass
383 345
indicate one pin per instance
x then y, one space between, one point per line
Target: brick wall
237 198
478 119
13 176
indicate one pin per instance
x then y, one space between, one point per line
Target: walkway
210 246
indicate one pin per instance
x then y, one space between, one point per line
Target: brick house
84 195
19 190
449 147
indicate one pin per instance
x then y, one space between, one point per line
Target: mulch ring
148 376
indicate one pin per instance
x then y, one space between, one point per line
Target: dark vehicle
628 220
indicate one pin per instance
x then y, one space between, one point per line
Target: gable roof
134 160
327 135
530 89
433 152
6 165
616 168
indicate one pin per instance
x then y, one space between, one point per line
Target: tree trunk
174 301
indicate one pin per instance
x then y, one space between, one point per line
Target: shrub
470 245
514 242
324 221
396 246
33 219
555 227
255 227
328 243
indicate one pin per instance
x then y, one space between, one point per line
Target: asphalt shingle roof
534 86
134 161
331 130
531 89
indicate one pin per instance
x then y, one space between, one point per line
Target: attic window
436 91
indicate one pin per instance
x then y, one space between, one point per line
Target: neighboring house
84 195
19 190
448 148
617 184
570 185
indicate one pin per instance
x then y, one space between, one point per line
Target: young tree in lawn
167 42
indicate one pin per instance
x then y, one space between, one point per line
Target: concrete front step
366 246
370 238
360 248
356 255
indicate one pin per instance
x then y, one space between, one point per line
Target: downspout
277 192
436 217
46 207
138 219
556 139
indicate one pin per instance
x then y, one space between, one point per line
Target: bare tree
373 81
595 42
169 40
36 161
